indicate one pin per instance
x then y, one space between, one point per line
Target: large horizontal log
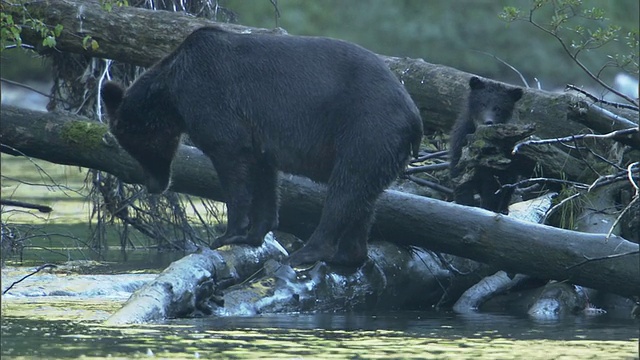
142 37
542 251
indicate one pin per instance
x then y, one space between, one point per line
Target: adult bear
255 104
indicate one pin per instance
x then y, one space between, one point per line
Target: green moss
86 134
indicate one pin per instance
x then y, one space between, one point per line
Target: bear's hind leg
263 213
233 168
352 245
322 244
341 235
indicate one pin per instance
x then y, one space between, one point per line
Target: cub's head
138 129
490 102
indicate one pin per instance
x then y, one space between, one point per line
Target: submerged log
590 260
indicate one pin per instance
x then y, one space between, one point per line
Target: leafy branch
11 29
564 12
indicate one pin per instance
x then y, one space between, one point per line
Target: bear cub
488 103
256 104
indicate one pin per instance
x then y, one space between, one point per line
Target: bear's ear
476 84
112 94
515 94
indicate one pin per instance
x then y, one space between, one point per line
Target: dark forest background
452 33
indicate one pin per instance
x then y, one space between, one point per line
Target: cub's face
491 103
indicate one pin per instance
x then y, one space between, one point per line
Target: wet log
394 278
590 260
177 291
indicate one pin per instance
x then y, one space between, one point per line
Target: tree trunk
541 251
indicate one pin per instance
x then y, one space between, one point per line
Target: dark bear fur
256 103
488 103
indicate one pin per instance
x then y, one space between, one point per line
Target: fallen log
178 289
394 278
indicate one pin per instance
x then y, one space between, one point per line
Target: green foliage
11 31
454 33
108 5
89 43
579 29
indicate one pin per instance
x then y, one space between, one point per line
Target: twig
427 183
615 223
630 176
609 179
41 208
596 99
574 57
424 168
436 154
636 198
611 135
26 87
545 180
276 10
524 81
559 205
26 276
587 259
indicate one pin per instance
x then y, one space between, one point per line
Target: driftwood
393 278
178 289
245 281
515 246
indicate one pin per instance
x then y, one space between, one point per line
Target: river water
59 315
404 335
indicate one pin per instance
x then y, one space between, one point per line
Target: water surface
323 336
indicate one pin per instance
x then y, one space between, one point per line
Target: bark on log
515 246
176 290
142 37
395 278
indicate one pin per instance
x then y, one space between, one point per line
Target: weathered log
515 246
142 37
176 291
389 281
486 288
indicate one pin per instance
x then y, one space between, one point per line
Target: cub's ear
476 84
515 94
112 95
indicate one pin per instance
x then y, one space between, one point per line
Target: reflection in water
397 335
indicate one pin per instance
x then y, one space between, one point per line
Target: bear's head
491 102
137 132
